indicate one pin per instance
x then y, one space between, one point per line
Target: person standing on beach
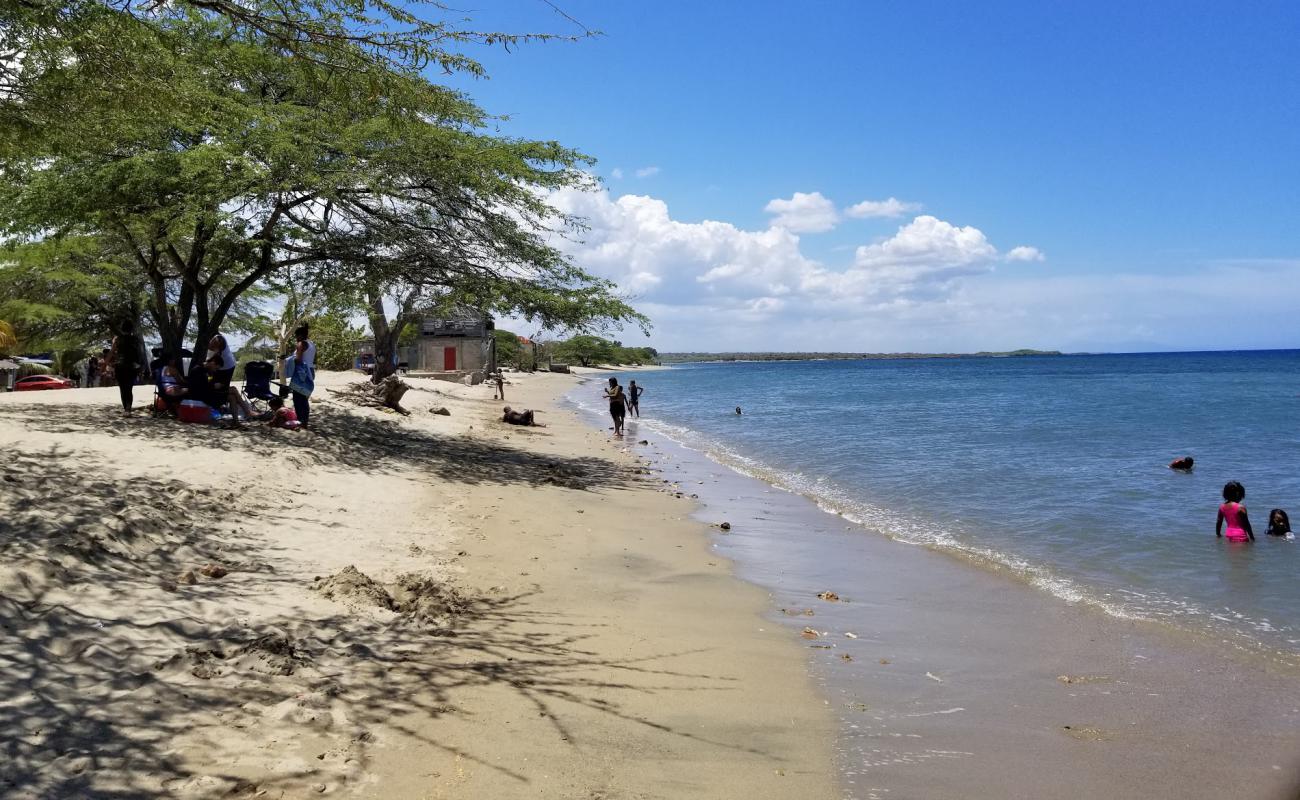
125 357
617 405
1233 513
634 399
301 371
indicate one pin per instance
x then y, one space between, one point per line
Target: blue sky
1148 153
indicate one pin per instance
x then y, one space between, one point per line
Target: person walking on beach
617 405
634 399
125 358
1234 513
301 371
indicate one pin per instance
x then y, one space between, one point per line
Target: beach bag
302 378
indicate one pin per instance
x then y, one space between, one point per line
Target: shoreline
528 616
969 671
1254 632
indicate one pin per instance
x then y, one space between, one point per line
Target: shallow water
1052 468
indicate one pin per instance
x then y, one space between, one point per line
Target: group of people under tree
211 380
621 402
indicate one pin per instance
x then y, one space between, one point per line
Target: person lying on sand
524 417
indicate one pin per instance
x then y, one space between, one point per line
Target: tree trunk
389 391
385 341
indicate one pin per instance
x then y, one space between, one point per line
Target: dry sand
391 607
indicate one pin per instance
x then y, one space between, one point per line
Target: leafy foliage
335 339
8 338
214 147
590 351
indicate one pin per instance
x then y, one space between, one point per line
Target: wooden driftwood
385 394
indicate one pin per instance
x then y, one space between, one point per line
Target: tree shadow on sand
99 699
344 440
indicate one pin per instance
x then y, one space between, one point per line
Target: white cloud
1025 253
647 172
803 213
616 173
634 241
891 208
928 241
929 286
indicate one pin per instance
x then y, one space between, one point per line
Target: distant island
684 358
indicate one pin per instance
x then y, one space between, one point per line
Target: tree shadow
105 698
342 439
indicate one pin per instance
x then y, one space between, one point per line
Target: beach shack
451 345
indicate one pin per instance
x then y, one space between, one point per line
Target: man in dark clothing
126 362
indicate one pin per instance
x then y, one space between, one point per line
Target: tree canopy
194 151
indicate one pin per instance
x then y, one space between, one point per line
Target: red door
449 359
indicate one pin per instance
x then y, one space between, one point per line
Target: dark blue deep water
1050 467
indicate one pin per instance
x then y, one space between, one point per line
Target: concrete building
457 343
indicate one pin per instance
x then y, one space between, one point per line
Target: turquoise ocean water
1049 468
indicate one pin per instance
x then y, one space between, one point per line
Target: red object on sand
34 383
194 411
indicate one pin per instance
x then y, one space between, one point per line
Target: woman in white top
219 349
301 369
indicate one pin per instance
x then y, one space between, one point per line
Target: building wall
471 353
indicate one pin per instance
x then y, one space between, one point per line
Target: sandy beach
392 607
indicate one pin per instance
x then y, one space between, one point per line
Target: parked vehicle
36 383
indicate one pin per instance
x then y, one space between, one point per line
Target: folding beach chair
257 384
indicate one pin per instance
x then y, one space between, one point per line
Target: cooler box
194 411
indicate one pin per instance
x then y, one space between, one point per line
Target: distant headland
684 358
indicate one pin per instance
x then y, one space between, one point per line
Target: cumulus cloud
1025 253
929 286
634 241
890 209
805 212
647 172
616 173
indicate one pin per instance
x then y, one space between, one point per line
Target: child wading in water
1278 523
1234 513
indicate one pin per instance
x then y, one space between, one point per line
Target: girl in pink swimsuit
1234 513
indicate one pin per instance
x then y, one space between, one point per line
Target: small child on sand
282 417
1234 513
1279 524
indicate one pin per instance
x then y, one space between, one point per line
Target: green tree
587 350
237 141
8 338
508 347
336 339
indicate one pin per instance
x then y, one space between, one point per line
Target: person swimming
1183 464
1278 523
1233 513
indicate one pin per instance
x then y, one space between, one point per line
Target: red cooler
194 411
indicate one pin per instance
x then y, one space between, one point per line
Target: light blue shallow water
1051 467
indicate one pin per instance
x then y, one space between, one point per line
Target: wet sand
951 680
